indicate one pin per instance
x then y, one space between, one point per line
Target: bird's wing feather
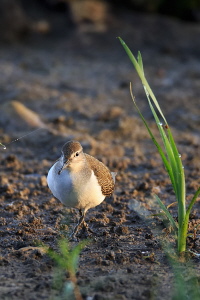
103 175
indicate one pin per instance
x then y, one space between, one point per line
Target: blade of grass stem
141 74
139 68
192 202
168 148
178 178
181 178
177 174
167 213
170 145
164 159
184 228
140 62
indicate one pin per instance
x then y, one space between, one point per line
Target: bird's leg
84 224
80 223
87 228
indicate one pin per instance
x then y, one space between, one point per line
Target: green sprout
67 262
170 156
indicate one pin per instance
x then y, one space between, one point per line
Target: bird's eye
77 154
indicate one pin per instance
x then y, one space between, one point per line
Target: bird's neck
81 169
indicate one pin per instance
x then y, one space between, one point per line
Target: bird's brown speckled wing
103 175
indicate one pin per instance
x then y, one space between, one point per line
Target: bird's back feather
104 176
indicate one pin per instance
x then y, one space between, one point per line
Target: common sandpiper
79 180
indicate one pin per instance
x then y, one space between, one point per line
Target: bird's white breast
73 190
60 185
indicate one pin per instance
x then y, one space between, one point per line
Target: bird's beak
64 166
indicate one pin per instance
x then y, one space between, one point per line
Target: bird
80 181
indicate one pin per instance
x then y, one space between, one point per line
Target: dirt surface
76 86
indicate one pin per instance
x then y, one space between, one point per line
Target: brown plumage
71 147
103 175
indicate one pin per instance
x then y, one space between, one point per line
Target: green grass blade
64 247
140 62
132 58
178 177
192 203
170 146
140 72
57 258
74 255
167 213
177 173
164 159
169 151
180 181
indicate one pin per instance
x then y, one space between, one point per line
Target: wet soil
78 87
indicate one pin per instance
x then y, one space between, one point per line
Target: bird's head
72 156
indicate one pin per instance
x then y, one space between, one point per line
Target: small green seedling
170 156
67 262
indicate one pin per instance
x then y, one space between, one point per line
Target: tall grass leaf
177 178
169 151
180 179
132 58
164 159
167 213
141 75
192 203
175 161
140 62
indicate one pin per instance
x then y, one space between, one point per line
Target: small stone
129 270
106 263
43 181
148 236
110 255
122 230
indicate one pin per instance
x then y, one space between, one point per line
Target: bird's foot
86 231
73 237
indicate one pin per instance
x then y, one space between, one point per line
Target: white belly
72 190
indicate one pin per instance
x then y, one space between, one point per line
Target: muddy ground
77 83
